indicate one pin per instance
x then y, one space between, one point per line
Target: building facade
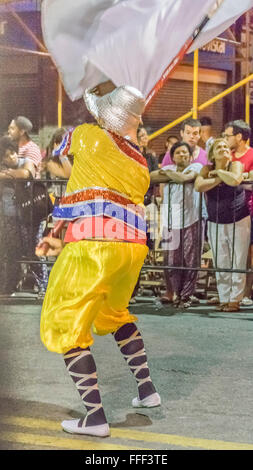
29 82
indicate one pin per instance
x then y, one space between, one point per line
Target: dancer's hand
49 246
103 88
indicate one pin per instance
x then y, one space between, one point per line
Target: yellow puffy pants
89 288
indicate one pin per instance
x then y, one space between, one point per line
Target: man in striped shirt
29 153
28 168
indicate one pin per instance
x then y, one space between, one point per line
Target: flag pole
195 84
167 72
59 109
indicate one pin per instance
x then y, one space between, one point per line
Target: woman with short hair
182 225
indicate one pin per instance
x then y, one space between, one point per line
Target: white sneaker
148 402
246 301
71 426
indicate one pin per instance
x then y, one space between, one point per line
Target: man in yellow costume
94 276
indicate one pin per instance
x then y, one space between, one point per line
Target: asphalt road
200 362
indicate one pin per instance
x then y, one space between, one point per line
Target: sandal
220 307
186 303
183 303
176 302
213 301
232 307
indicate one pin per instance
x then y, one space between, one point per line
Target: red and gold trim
90 194
128 149
69 141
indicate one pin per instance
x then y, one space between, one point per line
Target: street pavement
200 361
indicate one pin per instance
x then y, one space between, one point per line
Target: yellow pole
59 102
226 92
202 106
247 105
169 126
195 84
247 88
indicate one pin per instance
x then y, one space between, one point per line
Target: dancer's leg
82 369
131 345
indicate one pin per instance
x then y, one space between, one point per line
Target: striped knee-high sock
82 369
131 345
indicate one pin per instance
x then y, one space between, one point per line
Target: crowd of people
25 205
196 184
224 218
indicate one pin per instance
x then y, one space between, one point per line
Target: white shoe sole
71 426
149 402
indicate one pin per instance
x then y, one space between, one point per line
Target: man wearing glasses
237 134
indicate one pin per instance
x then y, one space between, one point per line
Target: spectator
8 155
54 168
150 156
237 134
190 133
10 236
171 140
28 168
228 219
206 132
142 137
29 152
17 236
181 225
56 164
55 141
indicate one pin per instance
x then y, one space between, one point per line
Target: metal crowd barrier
157 235
207 264
23 214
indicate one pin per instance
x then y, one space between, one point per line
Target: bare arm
203 182
187 177
4 175
25 172
160 176
233 177
66 165
62 170
161 191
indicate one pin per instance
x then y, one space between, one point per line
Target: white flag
127 41
228 12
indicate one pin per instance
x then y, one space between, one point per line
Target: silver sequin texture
117 111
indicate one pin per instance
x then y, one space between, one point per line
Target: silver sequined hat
118 110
